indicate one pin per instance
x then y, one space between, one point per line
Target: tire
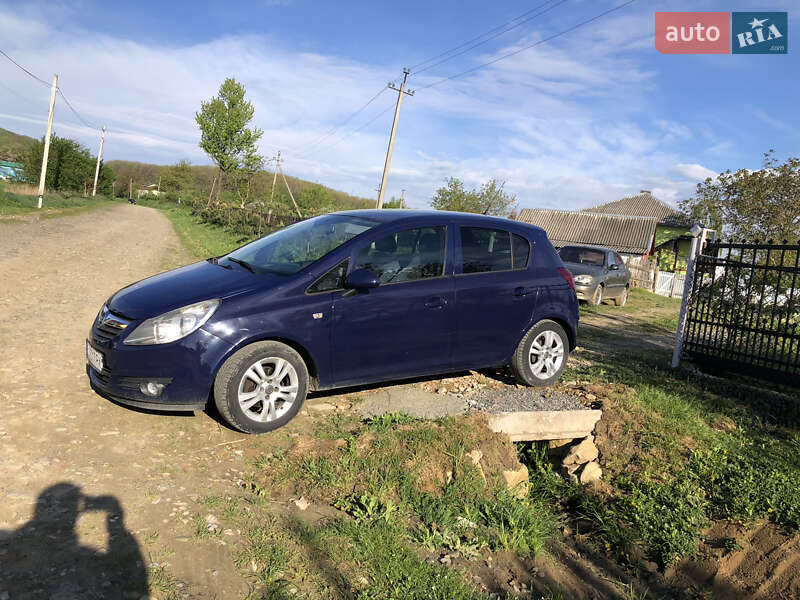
597 297
248 397
622 299
550 336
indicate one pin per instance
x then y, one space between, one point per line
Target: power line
39 79
542 41
304 149
476 38
496 35
354 131
75 112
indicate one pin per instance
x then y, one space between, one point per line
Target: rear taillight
568 276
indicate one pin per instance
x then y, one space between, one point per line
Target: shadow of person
44 558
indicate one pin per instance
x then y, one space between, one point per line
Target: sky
585 118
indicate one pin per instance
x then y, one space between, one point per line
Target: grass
649 312
691 449
201 239
404 488
13 203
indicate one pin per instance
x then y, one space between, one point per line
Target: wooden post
99 158
43 174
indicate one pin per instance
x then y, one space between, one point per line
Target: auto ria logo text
721 32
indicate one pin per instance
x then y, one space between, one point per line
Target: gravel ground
514 399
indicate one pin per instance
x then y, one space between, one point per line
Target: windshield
289 250
582 256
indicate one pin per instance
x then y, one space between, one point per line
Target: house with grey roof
625 234
672 239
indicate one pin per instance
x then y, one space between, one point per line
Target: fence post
687 292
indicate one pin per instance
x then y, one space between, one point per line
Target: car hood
579 269
193 283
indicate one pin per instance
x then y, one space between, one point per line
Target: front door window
407 255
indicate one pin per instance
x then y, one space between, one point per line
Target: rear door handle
523 291
436 302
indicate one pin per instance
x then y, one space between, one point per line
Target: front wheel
597 297
622 299
541 355
261 387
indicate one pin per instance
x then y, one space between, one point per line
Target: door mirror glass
614 267
362 279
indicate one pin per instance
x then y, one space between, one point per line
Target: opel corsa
342 299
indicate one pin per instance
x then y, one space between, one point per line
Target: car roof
411 215
595 248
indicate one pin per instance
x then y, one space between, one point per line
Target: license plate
94 357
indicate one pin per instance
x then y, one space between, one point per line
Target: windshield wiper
243 263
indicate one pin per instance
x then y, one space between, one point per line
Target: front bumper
186 368
585 292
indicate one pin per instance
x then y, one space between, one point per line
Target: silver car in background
599 273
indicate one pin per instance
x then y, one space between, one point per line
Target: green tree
70 166
763 204
393 203
315 200
225 134
489 199
177 178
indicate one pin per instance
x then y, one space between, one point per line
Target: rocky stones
583 453
517 481
591 473
580 463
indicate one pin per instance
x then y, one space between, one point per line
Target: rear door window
487 250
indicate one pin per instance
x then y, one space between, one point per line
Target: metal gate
744 310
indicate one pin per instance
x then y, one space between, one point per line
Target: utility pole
99 158
130 190
400 93
278 168
43 174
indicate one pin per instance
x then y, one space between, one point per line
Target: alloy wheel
546 354
268 389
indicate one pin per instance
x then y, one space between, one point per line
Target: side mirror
362 279
614 267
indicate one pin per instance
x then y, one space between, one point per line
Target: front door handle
436 302
523 291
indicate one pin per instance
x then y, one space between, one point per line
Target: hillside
145 173
12 145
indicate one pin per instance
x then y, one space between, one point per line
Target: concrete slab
524 426
411 401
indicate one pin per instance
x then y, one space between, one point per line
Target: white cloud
694 172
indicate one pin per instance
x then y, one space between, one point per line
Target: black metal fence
744 312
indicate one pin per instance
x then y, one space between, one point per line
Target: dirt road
92 492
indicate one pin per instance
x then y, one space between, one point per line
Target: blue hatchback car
337 300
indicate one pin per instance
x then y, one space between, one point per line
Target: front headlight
583 279
173 325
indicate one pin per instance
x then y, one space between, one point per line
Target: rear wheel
541 355
622 299
261 387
